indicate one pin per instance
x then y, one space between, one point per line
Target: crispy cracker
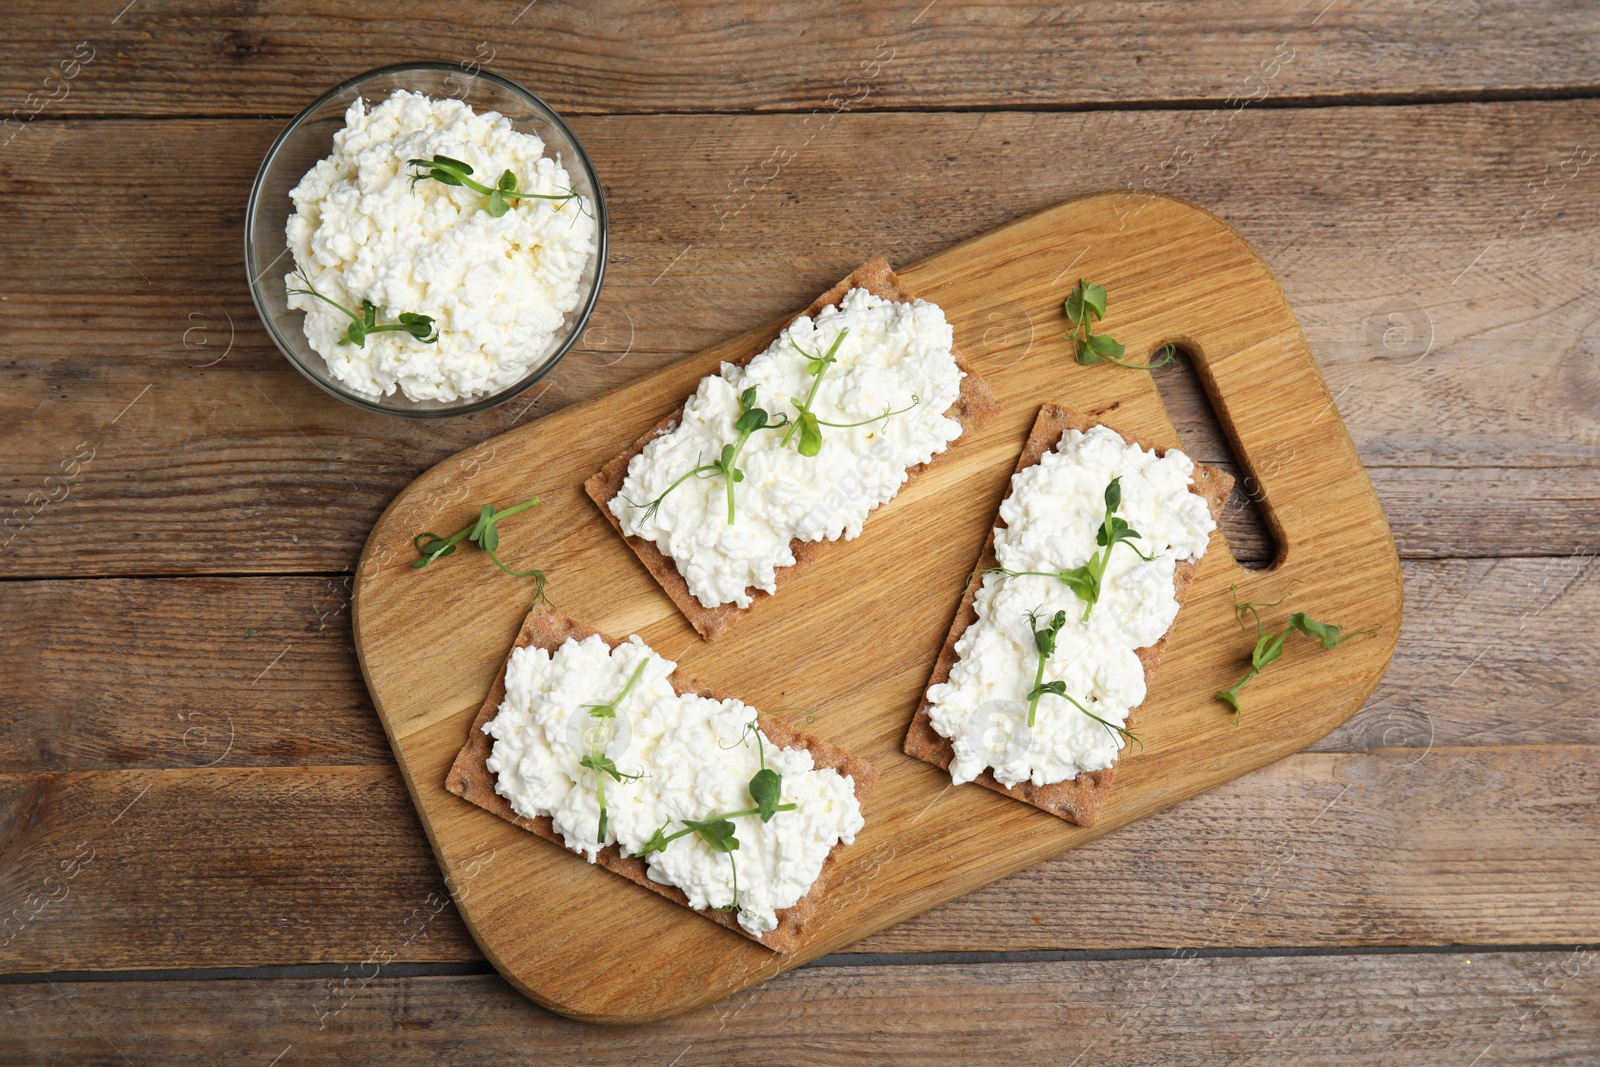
1076 800
973 408
471 779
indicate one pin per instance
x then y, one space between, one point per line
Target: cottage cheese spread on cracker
693 757
1052 517
896 357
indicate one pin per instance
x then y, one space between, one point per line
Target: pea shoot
1086 580
449 171
717 831
484 533
1044 642
806 422
419 326
751 419
595 760
1083 306
1269 644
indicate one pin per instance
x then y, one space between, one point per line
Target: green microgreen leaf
1083 306
810 434
418 326
1085 581
595 759
1269 644
766 788
805 422
485 533
751 418
716 832
1103 348
449 171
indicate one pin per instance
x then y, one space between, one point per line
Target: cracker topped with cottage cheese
603 747
792 447
1051 649
495 289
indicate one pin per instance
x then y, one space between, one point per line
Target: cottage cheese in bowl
498 289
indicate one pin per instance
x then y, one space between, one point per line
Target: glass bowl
309 138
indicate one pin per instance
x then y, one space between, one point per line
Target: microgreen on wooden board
717 831
1269 644
419 326
751 419
449 171
1084 306
485 533
1085 580
1044 642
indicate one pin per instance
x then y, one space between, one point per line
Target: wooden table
206 854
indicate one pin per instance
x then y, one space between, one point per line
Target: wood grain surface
1419 179
1414 267
854 640
1491 845
697 55
1510 1007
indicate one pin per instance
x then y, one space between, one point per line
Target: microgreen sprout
717 831
1269 644
1083 306
449 171
419 326
484 533
883 416
595 759
1085 580
805 422
1044 642
751 419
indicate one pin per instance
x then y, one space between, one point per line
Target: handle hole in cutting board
1200 433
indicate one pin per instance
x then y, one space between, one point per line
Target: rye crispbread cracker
471 779
974 407
1076 800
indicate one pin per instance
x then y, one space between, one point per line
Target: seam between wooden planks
1305 102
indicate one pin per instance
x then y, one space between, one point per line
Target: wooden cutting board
855 637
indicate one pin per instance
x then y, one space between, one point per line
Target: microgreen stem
1086 580
1269 645
816 368
419 326
484 533
751 419
883 417
449 171
1085 304
596 760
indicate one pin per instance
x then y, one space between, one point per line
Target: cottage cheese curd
1052 517
896 354
696 757
499 289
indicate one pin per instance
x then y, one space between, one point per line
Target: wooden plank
116 678
183 672
229 867
695 55
426 640
1502 1007
210 456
